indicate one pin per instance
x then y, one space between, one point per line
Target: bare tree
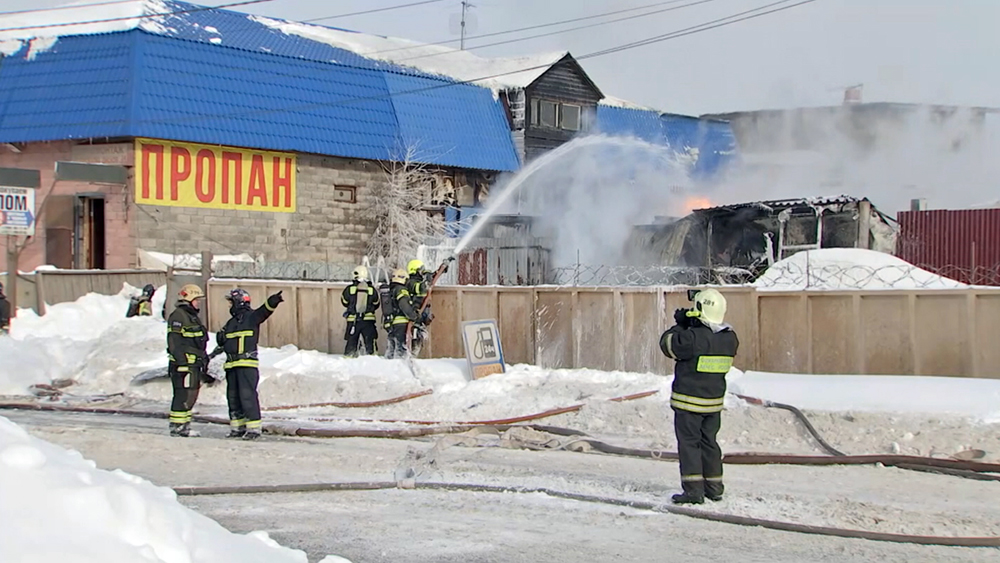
398 209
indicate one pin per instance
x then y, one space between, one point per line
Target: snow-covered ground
91 342
59 507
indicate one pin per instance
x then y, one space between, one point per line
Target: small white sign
482 348
17 211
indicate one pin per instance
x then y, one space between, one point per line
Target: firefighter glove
681 318
278 298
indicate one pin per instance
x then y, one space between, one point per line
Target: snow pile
74 338
42 28
846 269
61 508
974 398
517 72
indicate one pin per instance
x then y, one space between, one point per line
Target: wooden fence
42 287
923 332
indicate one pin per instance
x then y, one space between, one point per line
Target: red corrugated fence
963 245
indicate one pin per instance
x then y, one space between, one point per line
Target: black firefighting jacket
140 306
186 339
403 308
4 313
417 285
349 299
239 337
702 356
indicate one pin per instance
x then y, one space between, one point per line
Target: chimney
852 94
918 205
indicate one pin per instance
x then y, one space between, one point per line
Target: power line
373 11
531 27
139 17
721 22
65 7
548 34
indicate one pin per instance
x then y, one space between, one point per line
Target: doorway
90 234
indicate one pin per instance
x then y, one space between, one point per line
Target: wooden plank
515 324
987 327
832 316
783 334
888 349
555 329
445 330
595 322
640 333
938 315
312 318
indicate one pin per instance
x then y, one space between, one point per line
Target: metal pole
12 270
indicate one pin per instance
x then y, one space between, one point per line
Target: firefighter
418 284
188 365
142 304
238 339
4 312
702 347
403 313
360 301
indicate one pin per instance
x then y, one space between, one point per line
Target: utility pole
465 7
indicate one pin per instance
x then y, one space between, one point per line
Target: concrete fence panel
833 325
933 317
783 328
516 323
986 334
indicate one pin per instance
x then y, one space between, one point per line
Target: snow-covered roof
612 101
163 18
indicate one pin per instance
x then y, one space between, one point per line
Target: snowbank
848 268
974 398
61 508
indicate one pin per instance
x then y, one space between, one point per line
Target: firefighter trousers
186 385
397 340
360 333
241 394
699 452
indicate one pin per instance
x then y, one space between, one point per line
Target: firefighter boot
237 433
175 428
694 493
251 435
184 431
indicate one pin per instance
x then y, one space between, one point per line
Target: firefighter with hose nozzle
702 346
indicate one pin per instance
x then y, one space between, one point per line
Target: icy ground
429 526
90 343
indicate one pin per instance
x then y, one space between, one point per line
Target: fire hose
952 467
637 504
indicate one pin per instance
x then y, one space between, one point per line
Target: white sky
933 51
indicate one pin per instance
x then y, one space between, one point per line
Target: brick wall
120 250
322 229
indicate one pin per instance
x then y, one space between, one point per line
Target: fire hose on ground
960 468
637 504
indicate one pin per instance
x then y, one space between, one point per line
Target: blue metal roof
258 88
713 140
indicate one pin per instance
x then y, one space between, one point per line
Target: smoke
587 196
889 154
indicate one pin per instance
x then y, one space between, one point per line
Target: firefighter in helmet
418 284
188 361
238 340
403 312
142 304
702 347
360 301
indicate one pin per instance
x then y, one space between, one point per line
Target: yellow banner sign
213 177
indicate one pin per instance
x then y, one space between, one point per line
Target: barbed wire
637 276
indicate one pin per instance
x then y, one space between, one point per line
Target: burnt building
737 242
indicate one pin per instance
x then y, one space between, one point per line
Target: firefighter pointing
702 347
238 339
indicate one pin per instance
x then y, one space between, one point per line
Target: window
345 194
548 112
555 115
569 117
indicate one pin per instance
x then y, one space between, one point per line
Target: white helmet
711 305
361 273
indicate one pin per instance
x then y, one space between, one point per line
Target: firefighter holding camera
702 347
